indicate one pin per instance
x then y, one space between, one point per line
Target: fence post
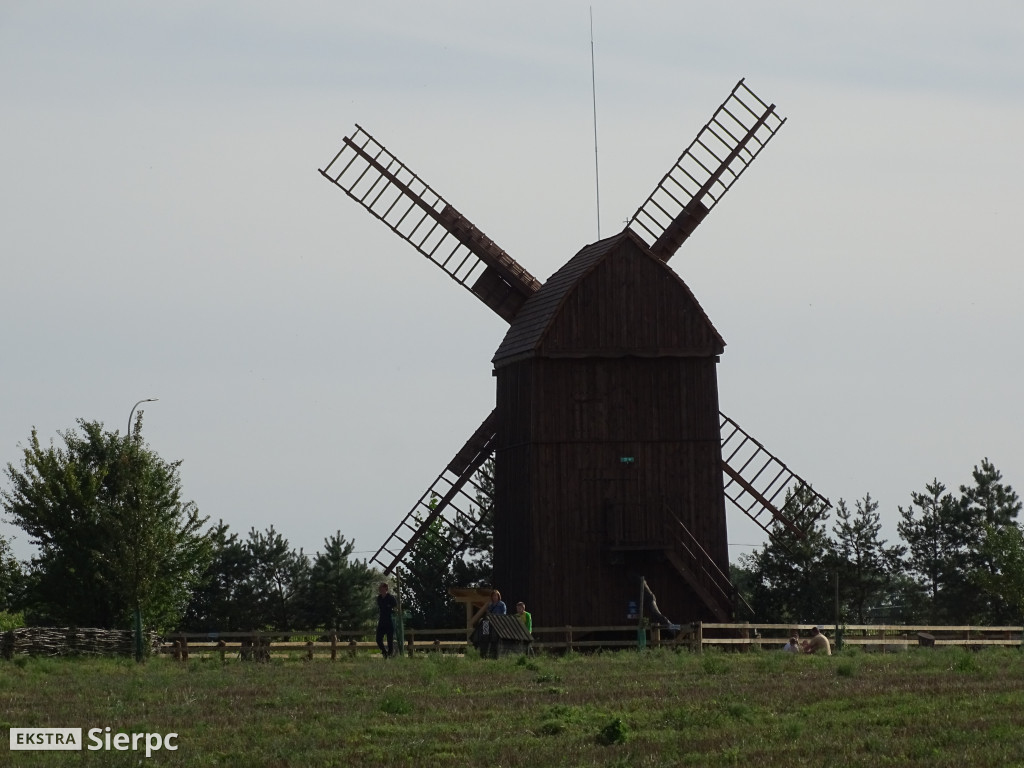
698 637
334 645
220 647
309 650
352 647
184 649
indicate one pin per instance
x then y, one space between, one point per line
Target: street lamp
147 400
138 609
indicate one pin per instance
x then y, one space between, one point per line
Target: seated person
793 646
817 643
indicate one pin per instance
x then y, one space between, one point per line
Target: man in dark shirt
386 604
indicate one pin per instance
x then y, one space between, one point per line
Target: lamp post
130 415
138 608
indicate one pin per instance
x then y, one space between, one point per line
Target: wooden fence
869 637
885 638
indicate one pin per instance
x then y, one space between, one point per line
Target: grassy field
926 707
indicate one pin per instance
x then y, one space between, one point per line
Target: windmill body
612 458
609 443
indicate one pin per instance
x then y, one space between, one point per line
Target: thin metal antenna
593 88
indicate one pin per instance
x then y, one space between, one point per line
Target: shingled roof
527 332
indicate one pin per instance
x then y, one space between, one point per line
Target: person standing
386 604
524 617
497 605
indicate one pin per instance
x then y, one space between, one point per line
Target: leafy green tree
112 531
340 588
426 576
744 580
865 564
12 585
473 540
11 577
792 575
1003 549
451 554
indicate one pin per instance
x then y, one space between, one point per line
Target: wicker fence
70 641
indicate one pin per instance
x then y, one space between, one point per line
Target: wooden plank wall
565 494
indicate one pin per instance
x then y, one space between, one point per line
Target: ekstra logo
97 739
46 738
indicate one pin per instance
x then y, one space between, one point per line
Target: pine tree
792 576
934 531
989 508
866 565
340 588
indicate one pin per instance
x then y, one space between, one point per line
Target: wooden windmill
611 456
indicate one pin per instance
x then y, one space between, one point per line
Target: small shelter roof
507 627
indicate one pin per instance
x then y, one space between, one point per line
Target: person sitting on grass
793 646
817 643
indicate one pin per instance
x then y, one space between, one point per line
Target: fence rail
695 637
883 637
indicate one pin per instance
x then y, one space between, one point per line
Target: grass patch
926 707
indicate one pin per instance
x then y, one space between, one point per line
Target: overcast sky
166 233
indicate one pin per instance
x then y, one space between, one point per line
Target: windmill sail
382 184
758 483
732 138
447 499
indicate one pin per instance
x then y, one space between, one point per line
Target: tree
934 530
1003 549
217 604
12 583
866 565
340 589
990 502
426 575
276 582
792 575
473 566
113 533
989 508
